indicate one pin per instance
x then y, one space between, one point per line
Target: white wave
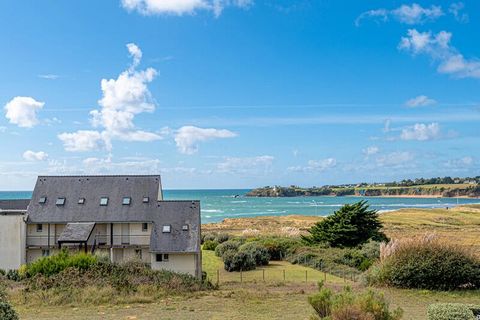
240 201
212 210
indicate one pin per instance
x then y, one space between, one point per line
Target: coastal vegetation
434 187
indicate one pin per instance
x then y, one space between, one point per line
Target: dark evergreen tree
350 226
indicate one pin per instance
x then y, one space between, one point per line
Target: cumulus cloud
395 159
122 99
438 47
420 101
369 151
188 137
84 140
421 132
407 14
315 165
245 165
30 155
182 7
456 10
22 111
460 163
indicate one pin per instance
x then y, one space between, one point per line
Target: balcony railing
98 239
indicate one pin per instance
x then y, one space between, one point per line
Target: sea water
217 205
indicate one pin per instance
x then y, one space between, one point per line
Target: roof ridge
99 175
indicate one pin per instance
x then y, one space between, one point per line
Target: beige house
125 217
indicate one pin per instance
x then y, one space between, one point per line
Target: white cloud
22 111
315 165
395 159
247 165
421 132
420 101
108 165
122 99
30 155
455 9
460 163
407 14
84 140
49 76
188 137
369 151
438 47
181 7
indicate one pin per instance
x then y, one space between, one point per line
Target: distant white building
124 216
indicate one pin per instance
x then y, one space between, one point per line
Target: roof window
60 201
167 228
146 200
126 201
103 201
185 227
81 201
42 200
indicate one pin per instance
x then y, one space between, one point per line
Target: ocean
217 205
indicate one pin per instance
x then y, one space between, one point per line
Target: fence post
241 276
218 277
263 275
306 277
325 276
283 275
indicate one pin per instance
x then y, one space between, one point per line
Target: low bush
230 245
13 275
347 305
426 263
258 251
452 311
58 262
210 245
238 261
222 237
279 248
6 310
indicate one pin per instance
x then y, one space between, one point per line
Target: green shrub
222 237
2 272
427 264
279 248
13 275
6 310
238 261
258 251
210 245
450 311
230 245
208 237
55 263
347 305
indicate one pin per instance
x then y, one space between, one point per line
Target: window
185 227
166 228
138 253
42 200
126 201
103 201
161 257
81 200
144 227
146 200
60 201
39 227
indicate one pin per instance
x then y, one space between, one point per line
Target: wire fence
278 275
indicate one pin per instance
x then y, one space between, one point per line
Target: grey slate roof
76 232
12 206
92 188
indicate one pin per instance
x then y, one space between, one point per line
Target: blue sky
239 93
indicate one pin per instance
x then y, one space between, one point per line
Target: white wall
12 241
181 263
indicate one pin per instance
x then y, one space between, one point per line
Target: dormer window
104 201
126 201
60 201
81 201
167 228
42 200
146 200
185 227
